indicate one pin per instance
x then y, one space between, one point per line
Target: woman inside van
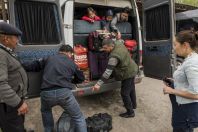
184 91
91 16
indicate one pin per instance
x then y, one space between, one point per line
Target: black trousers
10 121
179 115
128 94
183 130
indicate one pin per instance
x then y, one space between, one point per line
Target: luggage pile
91 60
97 60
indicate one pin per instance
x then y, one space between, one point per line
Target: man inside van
124 69
119 17
59 72
13 82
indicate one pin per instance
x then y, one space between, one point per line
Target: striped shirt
112 63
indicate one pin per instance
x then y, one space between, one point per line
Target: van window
39 22
158 23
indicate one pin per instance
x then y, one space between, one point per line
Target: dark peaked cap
8 29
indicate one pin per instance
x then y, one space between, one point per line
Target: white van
47 24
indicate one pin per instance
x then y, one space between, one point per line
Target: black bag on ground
101 122
64 123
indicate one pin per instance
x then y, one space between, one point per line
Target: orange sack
80 56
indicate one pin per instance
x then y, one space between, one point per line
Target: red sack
80 56
131 45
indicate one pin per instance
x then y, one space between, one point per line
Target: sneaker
127 115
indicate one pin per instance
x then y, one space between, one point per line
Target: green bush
188 2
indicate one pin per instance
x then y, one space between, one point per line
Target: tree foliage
188 2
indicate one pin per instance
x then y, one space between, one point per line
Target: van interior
82 29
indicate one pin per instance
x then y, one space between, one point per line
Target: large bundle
101 122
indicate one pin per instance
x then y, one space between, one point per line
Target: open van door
158 33
67 13
41 24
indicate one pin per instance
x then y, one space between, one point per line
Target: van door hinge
68 26
173 62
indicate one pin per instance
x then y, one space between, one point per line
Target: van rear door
158 33
41 24
67 8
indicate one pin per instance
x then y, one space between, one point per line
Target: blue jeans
64 98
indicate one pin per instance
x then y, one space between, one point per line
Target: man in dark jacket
124 69
59 72
13 82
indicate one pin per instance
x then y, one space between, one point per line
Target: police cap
8 29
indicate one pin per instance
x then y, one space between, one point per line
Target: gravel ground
152 115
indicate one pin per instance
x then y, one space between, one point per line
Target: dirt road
152 115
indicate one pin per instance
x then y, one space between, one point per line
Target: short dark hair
90 9
66 48
107 42
126 10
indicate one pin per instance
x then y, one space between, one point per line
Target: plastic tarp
192 14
